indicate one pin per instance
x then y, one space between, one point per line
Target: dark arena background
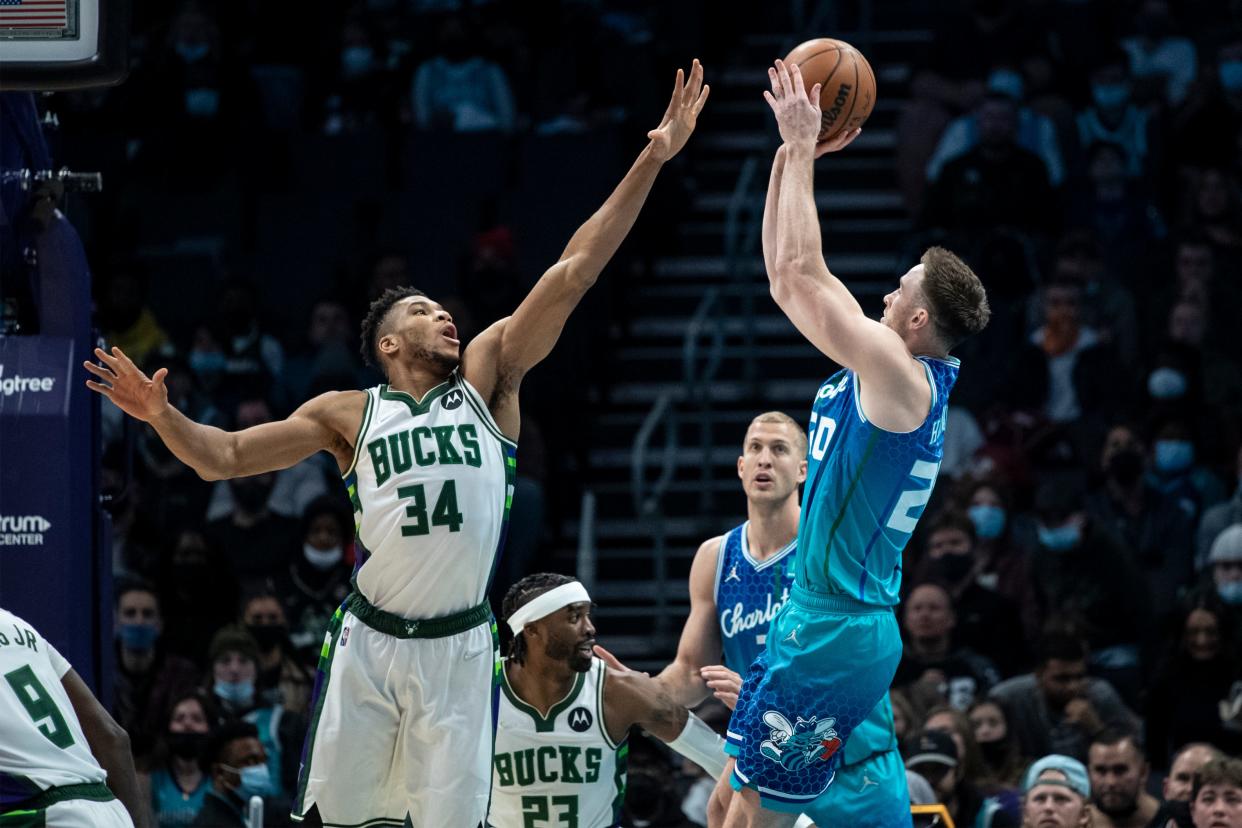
221 189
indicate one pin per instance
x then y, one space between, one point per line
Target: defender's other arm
215 454
700 637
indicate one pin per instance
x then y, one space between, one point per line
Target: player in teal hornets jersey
876 435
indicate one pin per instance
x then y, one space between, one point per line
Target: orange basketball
848 92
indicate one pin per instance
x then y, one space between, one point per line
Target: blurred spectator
459 89
329 360
952 721
292 488
932 670
1217 800
998 183
198 592
1062 338
317 580
1160 57
1002 757
147 676
962 438
238 767
1118 771
1057 794
985 621
135 534
257 542
1217 518
1036 133
1179 784
1058 707
1176 468
282 679
176 779
1213 112
935 758
173 495
1195 674
1112 116
362 91
234 658
124 317
1083 572
1211 206
1002 540
1219 388
1225 560
906 721
253 357
1156 529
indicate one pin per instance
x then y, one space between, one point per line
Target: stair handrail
743 226
649 499
586 567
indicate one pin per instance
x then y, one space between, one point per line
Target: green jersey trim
362 430
543 724
480 409
416 406
599 706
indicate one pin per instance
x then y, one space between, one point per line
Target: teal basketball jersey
866 488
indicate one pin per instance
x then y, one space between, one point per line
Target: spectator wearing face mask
932 670
1003 541
1218 518
986 621
237 764
176 780
1001 755
257 542
1190 327
1118 771
1112 115
1057 707
1225 562
1160 57
234 675
460 90
1156 530
316 581
147 676
1176 469
282 679
1082 571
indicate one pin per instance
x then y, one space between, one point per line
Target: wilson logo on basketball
830 115
580 720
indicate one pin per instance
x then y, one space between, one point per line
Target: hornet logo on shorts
796 746
453 399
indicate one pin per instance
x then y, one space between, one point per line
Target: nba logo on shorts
453 399
344 636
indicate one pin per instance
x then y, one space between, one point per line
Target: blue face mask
1230 72
1007 82
1060 538
1110 95
357 60
207 363
240 693
1230 592
202 103
256 780
1166 384
192 52
989 521
140 638
1174 456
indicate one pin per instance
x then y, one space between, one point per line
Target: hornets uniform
48 776
833 649
749 593
559 769
400 715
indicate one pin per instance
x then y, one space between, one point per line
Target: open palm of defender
797 113
132 391
679 119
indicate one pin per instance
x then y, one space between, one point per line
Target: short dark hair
518 595
1225 771
128 584
952 519
375 319
959 303
1062 645
225 734
1115 734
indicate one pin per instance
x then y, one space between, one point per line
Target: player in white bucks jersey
63 759
564 716
400 727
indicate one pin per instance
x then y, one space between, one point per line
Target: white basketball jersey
431 484
561 769
41 741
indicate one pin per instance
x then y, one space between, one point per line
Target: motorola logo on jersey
453 399
580 720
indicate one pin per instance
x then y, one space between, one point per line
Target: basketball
847 94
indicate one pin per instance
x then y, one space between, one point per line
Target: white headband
547 603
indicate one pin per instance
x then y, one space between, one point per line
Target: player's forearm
206 449
595 242
683 684
769 211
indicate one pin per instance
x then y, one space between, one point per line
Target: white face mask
322 558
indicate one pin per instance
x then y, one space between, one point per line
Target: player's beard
439 361
569 653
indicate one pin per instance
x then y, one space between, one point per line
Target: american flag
33 14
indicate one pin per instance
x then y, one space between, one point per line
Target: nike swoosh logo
474 655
